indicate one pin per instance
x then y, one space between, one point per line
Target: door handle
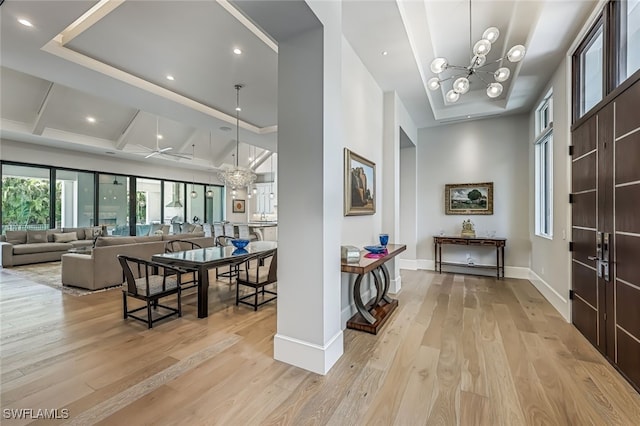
593 258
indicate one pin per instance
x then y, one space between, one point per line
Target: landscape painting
359 185
469 198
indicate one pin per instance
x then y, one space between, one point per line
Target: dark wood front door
606 231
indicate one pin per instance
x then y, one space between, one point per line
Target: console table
371 316
498 243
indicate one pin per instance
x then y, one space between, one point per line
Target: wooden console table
372 316
498 243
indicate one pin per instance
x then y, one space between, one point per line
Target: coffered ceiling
110 60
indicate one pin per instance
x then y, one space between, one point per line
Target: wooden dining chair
260 270
224 241
189 279
143 281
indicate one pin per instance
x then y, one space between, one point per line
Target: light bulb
249 195
233 192
209 193
461 85
494 90
271 195
433 83
438 65
502 74
452 96
254 190
482 47
516 53
194 194
480 60
491 34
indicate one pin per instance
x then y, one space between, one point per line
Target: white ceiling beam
123 140
260 160
229 149
89 18
39 123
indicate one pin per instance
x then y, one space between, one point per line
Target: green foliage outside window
25 201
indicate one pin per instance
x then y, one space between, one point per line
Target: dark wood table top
212 256
458 237
367 264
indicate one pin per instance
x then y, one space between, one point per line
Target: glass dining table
203 259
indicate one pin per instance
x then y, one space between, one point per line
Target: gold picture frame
238 206
469 198
359 185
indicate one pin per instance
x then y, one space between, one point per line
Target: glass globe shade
254 190
194 194
452 96
502 74
433 83
438 65
479 61
516 53
491 34
209 193
249 195
271 195
494 90
461 85
482 47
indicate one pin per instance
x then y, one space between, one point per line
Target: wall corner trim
315 358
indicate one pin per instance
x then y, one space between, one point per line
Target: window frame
578 71
543 169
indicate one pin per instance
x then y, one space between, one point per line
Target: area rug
49 275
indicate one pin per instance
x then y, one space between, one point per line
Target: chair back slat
243 232
229 231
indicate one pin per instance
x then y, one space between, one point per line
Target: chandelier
237 177
461 74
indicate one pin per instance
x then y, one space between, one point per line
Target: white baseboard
395 286
410 264
430 265
315 358
556 299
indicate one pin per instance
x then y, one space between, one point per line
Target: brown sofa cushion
50 233
16 237
40 248
36 237
65 237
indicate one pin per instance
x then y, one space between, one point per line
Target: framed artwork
238 206
468 198
359 185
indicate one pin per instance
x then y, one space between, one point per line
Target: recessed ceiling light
237 51
250 158
170 77
468 116
160 136
385 53
238 109
91 120
25 22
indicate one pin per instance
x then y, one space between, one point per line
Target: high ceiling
110 60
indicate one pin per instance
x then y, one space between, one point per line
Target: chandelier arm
457 67
492 62
484 71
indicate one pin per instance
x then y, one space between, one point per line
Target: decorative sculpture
468 229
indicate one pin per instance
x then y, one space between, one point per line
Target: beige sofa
25 247
101 268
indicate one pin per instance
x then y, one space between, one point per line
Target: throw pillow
17 237
50 233
65 237
36 237
92 232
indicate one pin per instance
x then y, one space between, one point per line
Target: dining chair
143 281
229 230
218 230
243 232
223 241
260 270
189 279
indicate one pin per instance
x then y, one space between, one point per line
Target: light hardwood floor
459 350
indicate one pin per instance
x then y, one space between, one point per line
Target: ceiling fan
163 151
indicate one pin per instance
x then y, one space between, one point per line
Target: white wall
491 150
550 258
241 194
408 202
362 106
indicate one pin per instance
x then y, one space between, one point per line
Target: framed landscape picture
359 185
238 206
468 198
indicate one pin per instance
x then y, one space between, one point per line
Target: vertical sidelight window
544 168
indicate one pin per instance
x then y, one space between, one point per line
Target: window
195 203
113 203
629 36
148 205
591 78
26 198
544 168
74 199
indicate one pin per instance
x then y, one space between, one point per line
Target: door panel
584 173
628 147
583 207
607 311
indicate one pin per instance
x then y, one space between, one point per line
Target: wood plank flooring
459 350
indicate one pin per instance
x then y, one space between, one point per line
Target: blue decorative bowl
238 243
375 249
239 251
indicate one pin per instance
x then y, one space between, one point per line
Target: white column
310 194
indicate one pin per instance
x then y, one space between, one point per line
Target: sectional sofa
100 268
25 247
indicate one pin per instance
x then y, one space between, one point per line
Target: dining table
203 259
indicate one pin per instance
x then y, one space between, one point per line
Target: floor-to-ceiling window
113 203
214 202
195 203
174 205
148 206
26 198
75 196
